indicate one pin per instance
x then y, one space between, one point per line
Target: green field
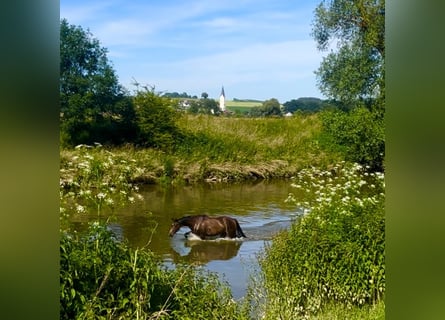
242 106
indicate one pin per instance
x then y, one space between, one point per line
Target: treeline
175 95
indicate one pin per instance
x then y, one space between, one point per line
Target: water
259 207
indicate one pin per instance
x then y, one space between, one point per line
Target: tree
156 120
354 77
268 108
94 106
303 104
355 73
205 106
204 95
271 107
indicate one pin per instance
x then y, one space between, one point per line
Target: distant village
245 106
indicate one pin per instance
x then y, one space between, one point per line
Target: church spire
222 97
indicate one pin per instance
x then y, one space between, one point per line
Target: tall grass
245 148
223 149
249 140
102 278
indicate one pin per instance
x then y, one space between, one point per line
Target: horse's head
174 227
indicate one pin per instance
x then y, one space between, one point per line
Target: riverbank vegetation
217 149
103 278
334 254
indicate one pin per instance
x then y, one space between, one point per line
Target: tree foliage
268 108
175 94
356 71
360 135
156 120
304 104
354 76
205 106
94 106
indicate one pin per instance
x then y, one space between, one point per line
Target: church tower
222 99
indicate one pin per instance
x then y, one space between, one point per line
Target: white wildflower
101 195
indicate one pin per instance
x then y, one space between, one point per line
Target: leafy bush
156 120
101 278
335 252
358 134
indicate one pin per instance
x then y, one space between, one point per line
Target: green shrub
102 278
358 134
156 120
335 252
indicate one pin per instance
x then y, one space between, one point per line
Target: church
222 100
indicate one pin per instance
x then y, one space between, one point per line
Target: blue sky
257 49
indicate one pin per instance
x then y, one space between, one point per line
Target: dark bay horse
206 227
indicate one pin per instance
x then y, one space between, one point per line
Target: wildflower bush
335 252
93 179
102 278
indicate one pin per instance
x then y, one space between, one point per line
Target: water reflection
202 252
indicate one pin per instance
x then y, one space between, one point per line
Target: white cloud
285 62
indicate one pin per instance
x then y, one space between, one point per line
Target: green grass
221 148
241 106
341 312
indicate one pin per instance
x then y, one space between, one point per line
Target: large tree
94 106
354 74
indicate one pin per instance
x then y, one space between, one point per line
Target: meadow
241 106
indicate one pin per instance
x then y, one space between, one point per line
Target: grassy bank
332 260
223 149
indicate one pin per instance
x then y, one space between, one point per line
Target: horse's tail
239 231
